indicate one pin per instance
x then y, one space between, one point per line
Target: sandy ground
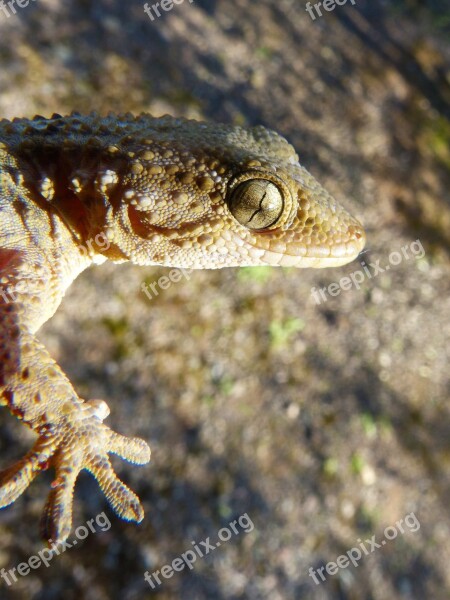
326 424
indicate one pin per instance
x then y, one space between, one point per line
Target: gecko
162 191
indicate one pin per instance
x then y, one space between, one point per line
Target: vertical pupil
257 204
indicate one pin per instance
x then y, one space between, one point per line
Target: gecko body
78 190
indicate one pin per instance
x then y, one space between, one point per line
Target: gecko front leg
71 432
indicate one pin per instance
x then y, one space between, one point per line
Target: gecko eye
257 204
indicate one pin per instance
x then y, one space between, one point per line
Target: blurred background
324 422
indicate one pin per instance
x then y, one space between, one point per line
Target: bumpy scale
161 191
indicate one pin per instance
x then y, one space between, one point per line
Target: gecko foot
72 444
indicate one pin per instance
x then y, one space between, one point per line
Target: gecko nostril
358 235
356 231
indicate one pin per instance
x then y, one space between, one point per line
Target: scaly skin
162 191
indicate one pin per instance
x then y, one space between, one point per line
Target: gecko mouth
334 249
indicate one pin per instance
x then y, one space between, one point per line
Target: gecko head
208 196
289 218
